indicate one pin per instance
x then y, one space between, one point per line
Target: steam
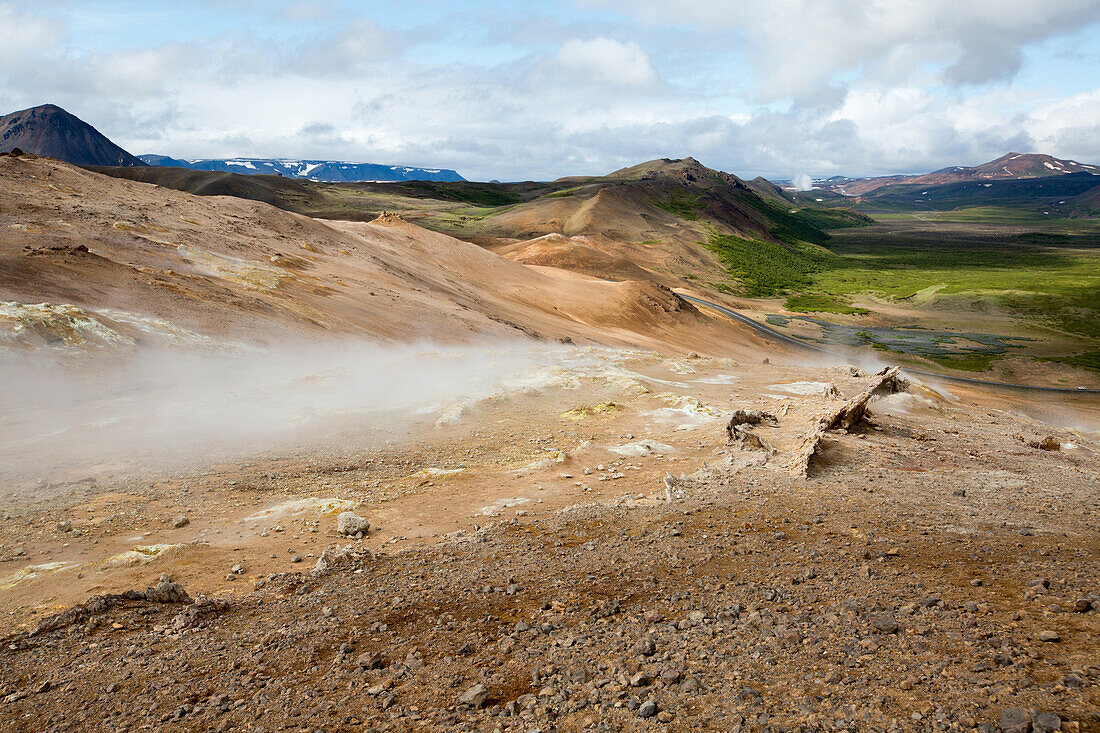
802 182
60 414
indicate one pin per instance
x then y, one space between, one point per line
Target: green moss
968 362
783 225
821 303
564 193
833 218
1088 360
767 268
681 204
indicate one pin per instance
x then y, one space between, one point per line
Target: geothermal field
269 472
560 366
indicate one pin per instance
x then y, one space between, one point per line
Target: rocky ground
937 570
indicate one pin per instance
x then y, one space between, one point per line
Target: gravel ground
933 573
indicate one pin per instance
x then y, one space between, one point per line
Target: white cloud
875 87
23 34
1068 127
605 61
799 47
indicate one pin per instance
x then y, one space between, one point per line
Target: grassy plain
962 270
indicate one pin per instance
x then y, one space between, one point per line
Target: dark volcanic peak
50 131
329 171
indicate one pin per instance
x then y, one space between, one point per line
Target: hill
1011 166
51 131
1041 194
1087 203
116 261
334 171
660 216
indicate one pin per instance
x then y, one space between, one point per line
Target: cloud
324 134
798 48
1069 127
23 33
604 61
307 11
347 50
818 87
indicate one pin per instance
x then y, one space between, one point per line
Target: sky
537 89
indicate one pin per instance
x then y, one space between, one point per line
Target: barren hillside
147 261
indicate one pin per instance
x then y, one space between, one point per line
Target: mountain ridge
52 132
1007 167
322 171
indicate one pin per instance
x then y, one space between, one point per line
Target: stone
167 592
350 523
647 709
369 660
1015 720
645 647
65 526
474 696
689 685
885 624
1046 723
180 521
1082 605
1049 636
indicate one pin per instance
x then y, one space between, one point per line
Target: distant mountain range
332 171
1007 167
50 131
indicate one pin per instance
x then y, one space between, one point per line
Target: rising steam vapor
159 408
802 182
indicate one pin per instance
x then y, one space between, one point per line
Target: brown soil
898 586
586 547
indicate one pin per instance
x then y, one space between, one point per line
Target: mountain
658 221
332 171
1008 167
656 200
1041 194
1087 203
659 200
1019 165
112 262
50 131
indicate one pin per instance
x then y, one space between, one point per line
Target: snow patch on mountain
314 170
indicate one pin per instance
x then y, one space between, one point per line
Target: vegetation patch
1088 360
564 193
479 194
967 362
833 218
767 268
821 303
681 204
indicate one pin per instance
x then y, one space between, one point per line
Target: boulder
350 523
